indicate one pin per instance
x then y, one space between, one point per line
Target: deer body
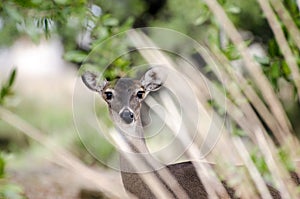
124 102
184 173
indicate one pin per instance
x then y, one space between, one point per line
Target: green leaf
75 56
3 92
285 68
121 63
262 60
273 48
238 132
127 24
2 166
47 23
62 2
275 70
202 19
233 9
259 162
231 52
285 159
12 77
111 22
14 13
6 88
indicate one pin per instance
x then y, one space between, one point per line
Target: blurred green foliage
11 191
100 20
286 159
261 164
32 18
70 20
7 189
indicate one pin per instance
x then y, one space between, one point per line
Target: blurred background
44 43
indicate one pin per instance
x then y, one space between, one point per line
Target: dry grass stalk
195 151
254 122
286 139
244 116
254 173
287 20
252 119
251 65
244 190
205 173
279 174
282 42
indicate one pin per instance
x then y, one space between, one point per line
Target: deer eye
108 95
140 94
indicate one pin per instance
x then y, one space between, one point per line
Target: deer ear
153 79
92 82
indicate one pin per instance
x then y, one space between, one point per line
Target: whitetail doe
124 102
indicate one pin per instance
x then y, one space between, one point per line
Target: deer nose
127 116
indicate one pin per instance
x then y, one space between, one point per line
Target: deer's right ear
92 82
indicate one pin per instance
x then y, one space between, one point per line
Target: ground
49 181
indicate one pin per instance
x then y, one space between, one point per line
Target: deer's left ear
153 79
92 82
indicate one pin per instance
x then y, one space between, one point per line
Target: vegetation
262 91
7 189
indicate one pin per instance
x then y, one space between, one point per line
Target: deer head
125 98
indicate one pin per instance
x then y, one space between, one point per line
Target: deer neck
136 151
133 136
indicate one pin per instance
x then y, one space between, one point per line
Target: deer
124 100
